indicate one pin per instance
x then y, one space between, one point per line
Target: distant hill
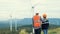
27 21
55 21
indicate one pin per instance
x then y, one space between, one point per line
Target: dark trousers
37 31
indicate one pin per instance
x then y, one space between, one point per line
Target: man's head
37 13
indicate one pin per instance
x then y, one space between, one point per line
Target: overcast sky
23 8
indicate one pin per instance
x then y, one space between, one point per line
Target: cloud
51 7
23 8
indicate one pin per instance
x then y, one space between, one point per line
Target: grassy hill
53 29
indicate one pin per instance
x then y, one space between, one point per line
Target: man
37 23
45 24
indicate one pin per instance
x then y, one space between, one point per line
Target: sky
23 8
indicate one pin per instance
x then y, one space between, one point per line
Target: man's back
37 22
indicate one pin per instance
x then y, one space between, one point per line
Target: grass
50 31
54 31
28 29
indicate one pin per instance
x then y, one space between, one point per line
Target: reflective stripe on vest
37 21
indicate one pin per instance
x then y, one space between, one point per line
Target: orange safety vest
37 22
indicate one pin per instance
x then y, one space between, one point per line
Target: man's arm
41 19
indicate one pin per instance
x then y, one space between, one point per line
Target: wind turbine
33 14
33 7
15 24
10 22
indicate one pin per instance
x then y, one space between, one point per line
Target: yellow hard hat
44 15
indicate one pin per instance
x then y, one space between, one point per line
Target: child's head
44 15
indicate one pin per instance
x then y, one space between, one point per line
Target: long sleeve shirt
45 23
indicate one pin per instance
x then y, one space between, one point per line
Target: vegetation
53 31
27 29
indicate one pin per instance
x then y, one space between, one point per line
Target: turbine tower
15 24
10 22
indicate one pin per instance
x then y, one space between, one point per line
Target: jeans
37 31
45 31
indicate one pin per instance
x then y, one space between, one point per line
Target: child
45 24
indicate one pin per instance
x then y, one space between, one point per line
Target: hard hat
44 15
37 13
